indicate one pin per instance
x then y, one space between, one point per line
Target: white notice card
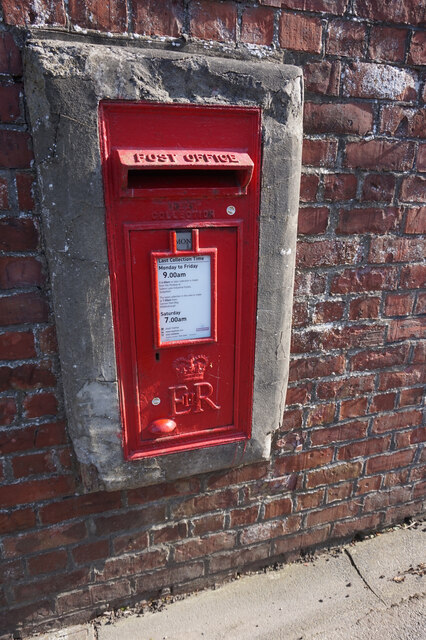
184 291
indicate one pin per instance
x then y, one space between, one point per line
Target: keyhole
157 356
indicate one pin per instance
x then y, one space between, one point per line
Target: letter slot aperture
181 186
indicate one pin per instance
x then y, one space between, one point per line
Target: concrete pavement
371 590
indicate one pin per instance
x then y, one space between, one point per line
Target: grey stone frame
64 81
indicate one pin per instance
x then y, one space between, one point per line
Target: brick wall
349 455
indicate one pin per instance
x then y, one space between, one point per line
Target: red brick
346 387
170 533
321 414
300 33
353 408
368 80
35 490
420 304
349 431
130 565
33 437
79 506
327 253
386 249
341 491
298 395
417 473
25 184
15 149
413 189
194 548
340 186
40 405
45 13
47 340
383 402
364 279
418 48
52 584
257 25
419 490
365 523
337 118
404 328
20 272
421 154
368 220
308 187
364 448
76 600
384 499
303 460
130 542
237 476
411 396
44 539
360 308
409 377
170 576
336 473
310 500
34 463
17 520
300 314
419 353
4 195
207 524
399 304
389 461
18 234
416 220
331 514
212 20
380 154
103 16
413 276
337 338
27 376
240 517
277 508
17 345
8 411
158 17
9 103
309 283
10 56
267 530
379 359
157 492
291 441
319 153
396 514
47 562
313 220
328 311
407 12
403 122
239 558
378 187
316 367
400 420
23 308
90 552
408 438
336 7
346 38
387 44
212 502
322 77
304 540
365 485
110 592
12 571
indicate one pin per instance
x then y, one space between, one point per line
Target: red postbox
181 189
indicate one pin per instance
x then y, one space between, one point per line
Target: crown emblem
191 368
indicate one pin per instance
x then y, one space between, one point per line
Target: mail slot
181 186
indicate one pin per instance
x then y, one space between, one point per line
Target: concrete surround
64 82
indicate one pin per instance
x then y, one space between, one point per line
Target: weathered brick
110 592
380 154
20 272
327 253
403 122
417 48
368 220
335 473
379 358
322 77
408 438
404 328
387 44
237 476
304 460
412 375
328 311
413 276
240 517
267 530
80 506
298 395
389 461
340 186
421 155
321 414
182 487
239 558
308 187
337 118
310 500
312 220
45 435
349 527
336 7
346 387
202 503
277 508
128 520
131 564
300 314
212 20
44 539
17 520
44 13
399 304
316 367
304 540
10 55
90 552
366 485
47 562
366 307
76 600
408 12
349 431
400 420
9 103
382 402
353 408
207 524
197 547
18 234
369 80
331 514
378 187
386 249
108 16
410 396
311 283
17 345
33 463
413 189
27 376
8 411
346 38
158 17
416 220
257 25
25 185
35 490
320 153
23 308
300 33
364 279
15 149
339 492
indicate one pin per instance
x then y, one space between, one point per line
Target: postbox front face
181 187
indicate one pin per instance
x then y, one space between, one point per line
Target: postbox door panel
185 382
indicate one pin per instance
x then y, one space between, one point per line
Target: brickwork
349 455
